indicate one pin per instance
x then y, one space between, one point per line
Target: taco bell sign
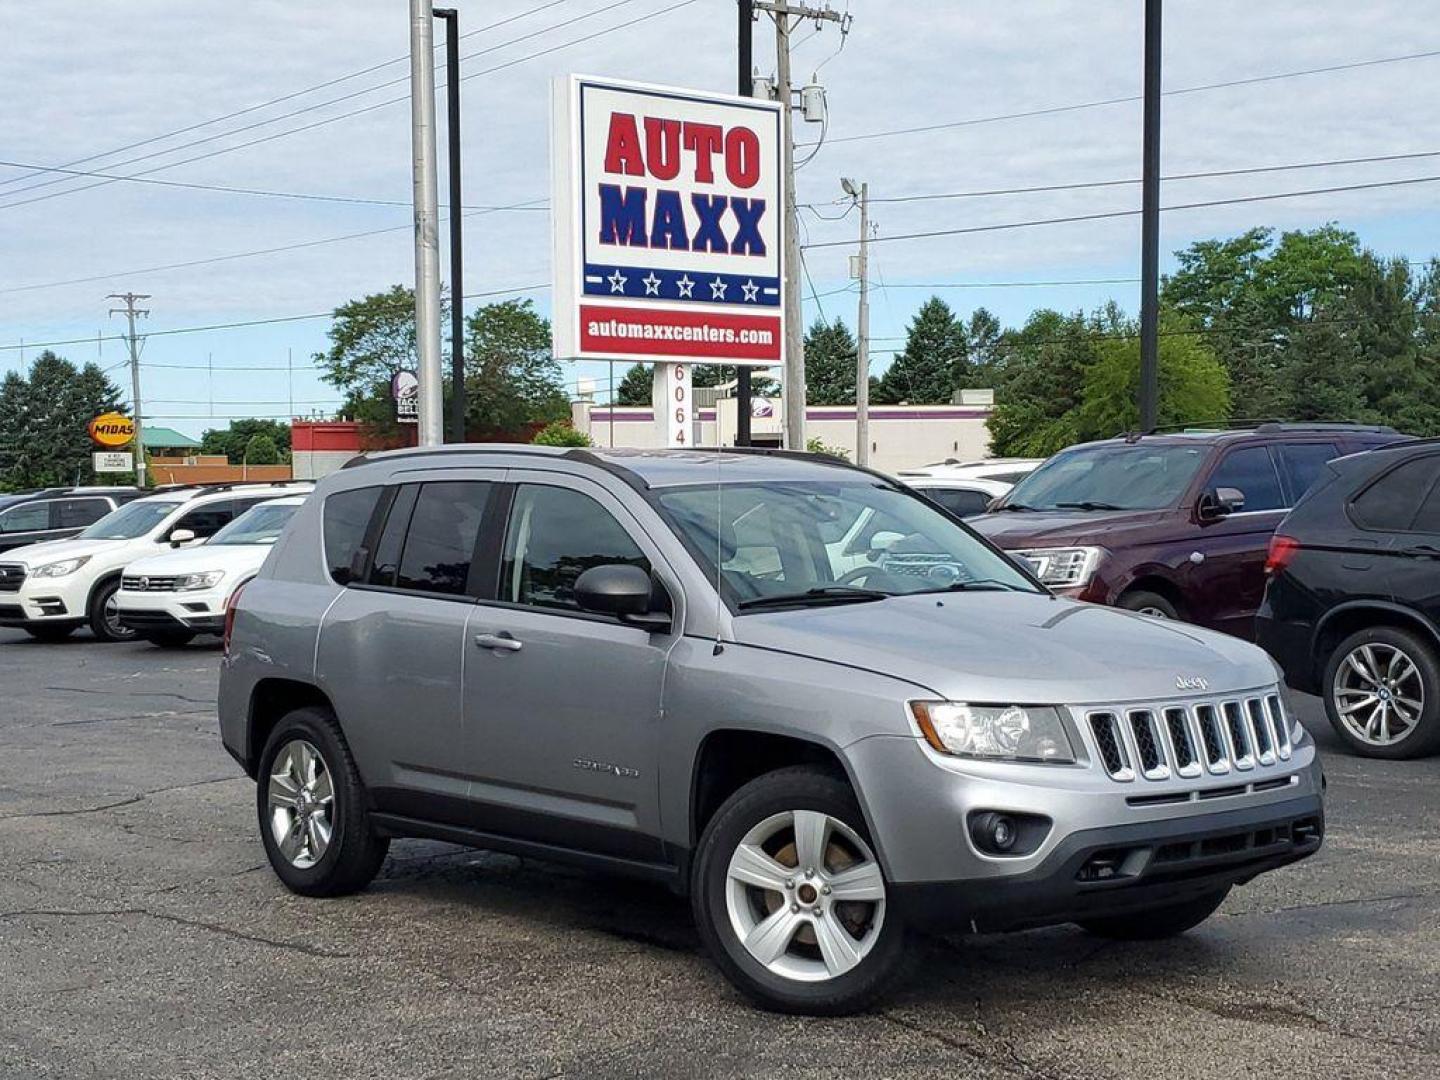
667 211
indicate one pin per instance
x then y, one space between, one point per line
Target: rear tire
170 639
1410 673
103 614
1143 602
320 843
823 956
1154 924
49 633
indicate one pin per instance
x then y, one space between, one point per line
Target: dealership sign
111 429
667 211
112 461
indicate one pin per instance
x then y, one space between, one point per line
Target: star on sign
687 287
717 289
751 290
617 282
652 284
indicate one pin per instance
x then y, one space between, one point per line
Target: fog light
994 833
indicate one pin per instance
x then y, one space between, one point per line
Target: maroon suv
1172 525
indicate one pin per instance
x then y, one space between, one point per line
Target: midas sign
667 220
112 429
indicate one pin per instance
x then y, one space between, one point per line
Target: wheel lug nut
825 889
794 909
809 872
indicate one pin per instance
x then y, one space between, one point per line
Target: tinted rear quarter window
1251 470
1390 504
346 517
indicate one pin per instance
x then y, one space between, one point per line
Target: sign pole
427 216
745 87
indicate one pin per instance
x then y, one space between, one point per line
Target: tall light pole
794 332
427 223
745 87
862 325
1150 227
130 311
451 18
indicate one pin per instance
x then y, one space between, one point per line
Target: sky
103 93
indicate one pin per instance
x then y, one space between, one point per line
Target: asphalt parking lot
142 934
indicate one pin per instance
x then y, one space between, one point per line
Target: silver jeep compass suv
789 688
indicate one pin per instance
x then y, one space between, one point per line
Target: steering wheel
860 573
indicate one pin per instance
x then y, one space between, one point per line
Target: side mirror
883 541
1220 503
623 591
181 536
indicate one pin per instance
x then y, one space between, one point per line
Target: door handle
501 642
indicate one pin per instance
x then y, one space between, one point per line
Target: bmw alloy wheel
1378 693
302 804
805 896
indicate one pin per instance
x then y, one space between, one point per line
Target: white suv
50 590
168 599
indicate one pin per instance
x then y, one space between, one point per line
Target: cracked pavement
142 935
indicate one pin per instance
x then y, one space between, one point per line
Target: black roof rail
1265 426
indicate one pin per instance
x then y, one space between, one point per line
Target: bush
560 433
815 446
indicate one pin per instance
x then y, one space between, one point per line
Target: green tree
1320 377
1043 377
830 353
983 336
232 441
1194 386
261 450
635 388
934 363
512 378
43 419
370 340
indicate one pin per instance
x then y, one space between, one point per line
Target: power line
1103 215
332 119
237 325
236 190
1058 109
1210 174
277 100
244 254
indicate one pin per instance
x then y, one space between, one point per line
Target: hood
1052 528
1022 648
33 555
232 558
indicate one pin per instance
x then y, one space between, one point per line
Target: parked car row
33 517
132 572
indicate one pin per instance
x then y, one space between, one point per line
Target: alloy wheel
1378 694
1153 612
805 896
301 799
113 626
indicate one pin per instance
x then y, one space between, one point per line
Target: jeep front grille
1190 740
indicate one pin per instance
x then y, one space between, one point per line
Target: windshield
258 525
131 520
1133 476
811 543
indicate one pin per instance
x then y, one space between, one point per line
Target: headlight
60 569
1063 568
1010 732
192 582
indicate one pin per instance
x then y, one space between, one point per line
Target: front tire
790 899
1382 693
1148 603
312 808
104 614
1154 924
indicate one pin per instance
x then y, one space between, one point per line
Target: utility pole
1150 227
130 311
457 223
782 12
862 326
745 87
427 217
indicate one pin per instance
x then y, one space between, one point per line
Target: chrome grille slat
1191 739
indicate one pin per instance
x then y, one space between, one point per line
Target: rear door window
1303 463
959 501
440 541
1251 470
206 521
1391 503
346 518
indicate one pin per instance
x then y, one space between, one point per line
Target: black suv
1352 608
56 513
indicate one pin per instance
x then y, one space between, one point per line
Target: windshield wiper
1017 507
979 585
1088 504
824 594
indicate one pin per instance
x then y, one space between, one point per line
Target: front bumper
199 612
42 601
1124 868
